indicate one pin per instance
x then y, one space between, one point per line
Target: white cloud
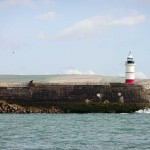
141 75
5 4
129 21
49 2
78 72
84 29
96 25
46 16
42 36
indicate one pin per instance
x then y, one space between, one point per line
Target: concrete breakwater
78 98
113 92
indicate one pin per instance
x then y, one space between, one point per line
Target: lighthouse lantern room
130 71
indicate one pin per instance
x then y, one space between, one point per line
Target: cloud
78 72
46 16
130 21
42 36
96 25
6 4
49 2
84 28
141 75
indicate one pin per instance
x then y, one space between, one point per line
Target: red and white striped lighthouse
130 71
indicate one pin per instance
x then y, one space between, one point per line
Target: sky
74 36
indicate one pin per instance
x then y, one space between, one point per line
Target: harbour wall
54 93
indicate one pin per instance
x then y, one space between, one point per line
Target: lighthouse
130 71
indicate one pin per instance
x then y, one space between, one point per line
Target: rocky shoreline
6 107
26 108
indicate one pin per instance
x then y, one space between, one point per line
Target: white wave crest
145 111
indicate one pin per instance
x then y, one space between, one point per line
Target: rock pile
6 107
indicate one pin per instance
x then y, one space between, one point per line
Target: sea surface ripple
74 131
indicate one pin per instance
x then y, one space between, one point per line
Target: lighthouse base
130 81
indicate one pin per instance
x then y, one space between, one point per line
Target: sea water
75 131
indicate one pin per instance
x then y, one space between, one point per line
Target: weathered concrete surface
95 93
115 92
